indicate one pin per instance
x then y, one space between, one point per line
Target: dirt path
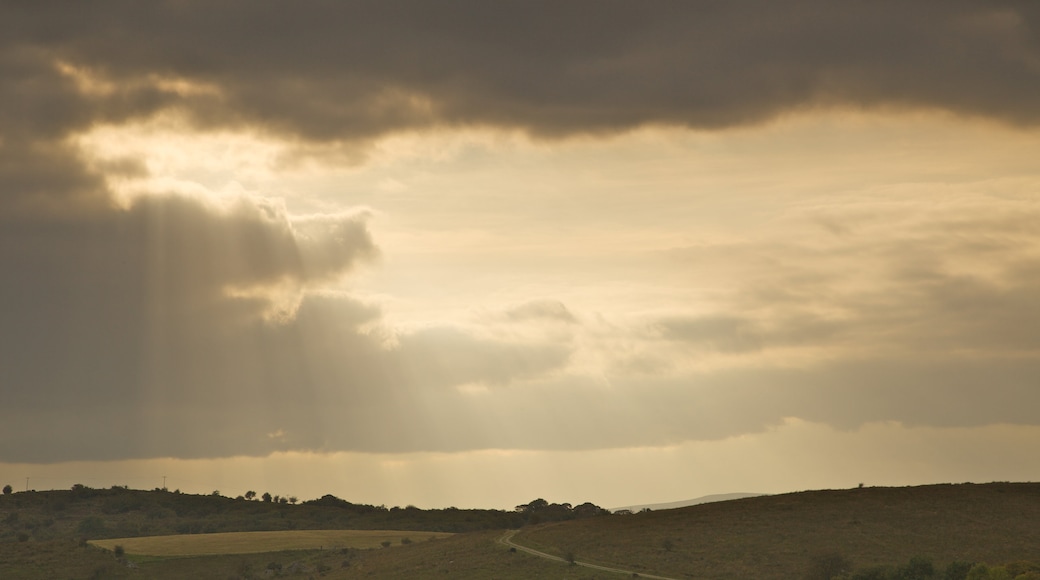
507 540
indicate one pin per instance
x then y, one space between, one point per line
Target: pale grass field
256 542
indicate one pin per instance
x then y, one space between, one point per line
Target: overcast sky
474 253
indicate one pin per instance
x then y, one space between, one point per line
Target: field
257 542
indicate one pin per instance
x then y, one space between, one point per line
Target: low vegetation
118 512
785 536
942 532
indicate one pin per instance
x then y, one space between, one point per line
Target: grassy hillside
782 536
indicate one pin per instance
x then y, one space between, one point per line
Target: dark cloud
358 69
113 311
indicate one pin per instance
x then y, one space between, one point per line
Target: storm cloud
352 70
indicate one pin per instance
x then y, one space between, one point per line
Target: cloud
451 356
190 326
331 72
147 331
109 312
548 310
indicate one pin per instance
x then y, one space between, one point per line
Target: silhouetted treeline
84 512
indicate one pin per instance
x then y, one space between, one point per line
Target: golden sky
476 253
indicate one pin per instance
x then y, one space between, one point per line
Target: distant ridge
678 504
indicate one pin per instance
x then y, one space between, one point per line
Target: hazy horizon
475 253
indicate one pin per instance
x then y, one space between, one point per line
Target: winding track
507 540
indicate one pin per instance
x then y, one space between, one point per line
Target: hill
784 536
685 503
787 536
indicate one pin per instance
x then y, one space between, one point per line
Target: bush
981 571
92 526
119 551
919 568
8 490
957 570
1020 568
827 566
875 573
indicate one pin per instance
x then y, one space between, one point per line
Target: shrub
919 568
957 571
1020 568
827 566
981 571
406 541
119 551
385 543
91 526
874 573
8 490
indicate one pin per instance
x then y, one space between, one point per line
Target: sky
474 253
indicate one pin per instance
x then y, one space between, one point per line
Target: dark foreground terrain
788 536
928 532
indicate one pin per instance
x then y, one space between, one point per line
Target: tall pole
164 483
26 484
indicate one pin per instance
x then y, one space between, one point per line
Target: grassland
257 542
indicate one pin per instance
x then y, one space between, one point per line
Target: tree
250 494
7 489
293 500
266 497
